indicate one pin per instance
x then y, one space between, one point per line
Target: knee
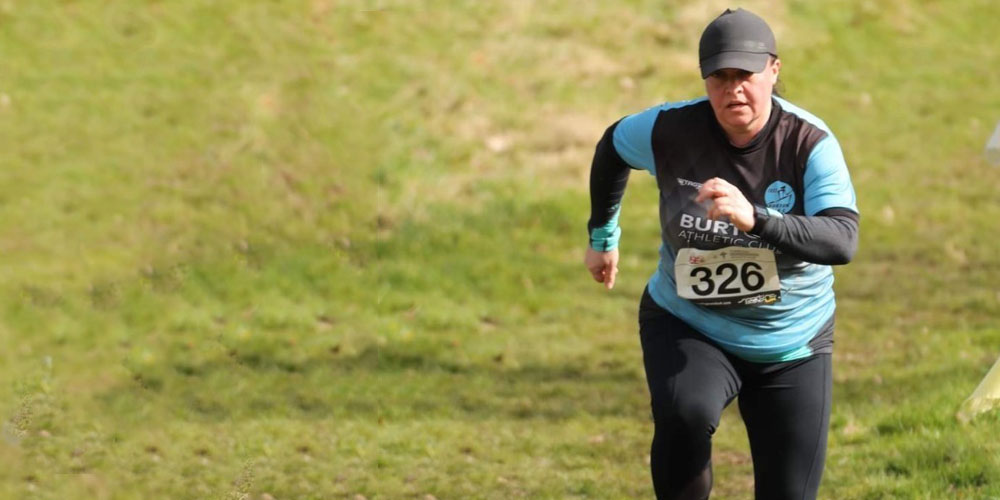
689 417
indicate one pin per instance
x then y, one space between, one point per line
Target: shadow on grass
422 385
381 383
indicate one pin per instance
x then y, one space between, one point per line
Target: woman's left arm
830 237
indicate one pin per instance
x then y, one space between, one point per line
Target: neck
742 136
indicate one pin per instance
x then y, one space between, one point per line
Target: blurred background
321 249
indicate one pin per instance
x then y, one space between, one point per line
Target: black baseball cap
736 39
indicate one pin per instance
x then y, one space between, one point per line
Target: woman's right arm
608 178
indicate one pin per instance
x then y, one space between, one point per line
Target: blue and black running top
793 171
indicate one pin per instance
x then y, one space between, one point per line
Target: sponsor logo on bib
780 196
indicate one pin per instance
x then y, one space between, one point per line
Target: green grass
306 249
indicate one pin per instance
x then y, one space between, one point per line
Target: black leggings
785 407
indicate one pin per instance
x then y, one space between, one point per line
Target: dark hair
779 86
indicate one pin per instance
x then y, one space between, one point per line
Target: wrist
605 238
603 245
761 215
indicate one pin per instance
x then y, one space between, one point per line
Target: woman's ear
775 70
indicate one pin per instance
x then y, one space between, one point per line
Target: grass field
312 249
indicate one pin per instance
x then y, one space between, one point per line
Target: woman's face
741 99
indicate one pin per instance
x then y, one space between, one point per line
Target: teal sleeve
827 181
605 238
633 139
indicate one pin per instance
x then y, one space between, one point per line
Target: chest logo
780 196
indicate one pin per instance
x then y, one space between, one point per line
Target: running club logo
780 196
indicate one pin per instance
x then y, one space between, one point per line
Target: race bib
731 276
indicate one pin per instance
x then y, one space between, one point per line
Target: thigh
689 377
786 409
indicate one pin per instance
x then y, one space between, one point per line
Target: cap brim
753 62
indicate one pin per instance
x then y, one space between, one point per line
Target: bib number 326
730 276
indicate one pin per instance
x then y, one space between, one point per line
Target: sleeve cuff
603 240
761 215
